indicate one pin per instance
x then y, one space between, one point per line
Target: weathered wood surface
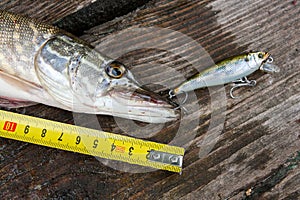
259 148
48 11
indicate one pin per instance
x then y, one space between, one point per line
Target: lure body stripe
224 72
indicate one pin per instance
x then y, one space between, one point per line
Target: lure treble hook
172 95
241 83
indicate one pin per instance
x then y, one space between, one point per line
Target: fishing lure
235 69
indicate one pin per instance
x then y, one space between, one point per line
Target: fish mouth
142 105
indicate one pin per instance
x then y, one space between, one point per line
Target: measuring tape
91 142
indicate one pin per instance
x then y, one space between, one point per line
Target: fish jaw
125 98
140 105
134 112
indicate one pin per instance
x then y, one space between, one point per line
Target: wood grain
259 148
97 13
48 11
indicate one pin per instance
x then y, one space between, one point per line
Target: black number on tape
26 129
130 151
44 131
113 146
78 139
95 144
60 137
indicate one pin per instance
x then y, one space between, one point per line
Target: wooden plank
97 13
259 145
48 11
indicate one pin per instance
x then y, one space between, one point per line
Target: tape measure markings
91 142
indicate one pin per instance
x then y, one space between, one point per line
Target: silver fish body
226 71
43 64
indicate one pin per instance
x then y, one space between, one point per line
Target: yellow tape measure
91 142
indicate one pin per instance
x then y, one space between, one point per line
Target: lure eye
115 69
260 55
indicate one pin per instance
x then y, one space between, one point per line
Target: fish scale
44 64
20 41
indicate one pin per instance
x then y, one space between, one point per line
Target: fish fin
16 92
15 103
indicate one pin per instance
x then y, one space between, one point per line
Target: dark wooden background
258 153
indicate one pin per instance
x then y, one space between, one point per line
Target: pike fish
235 69
44 64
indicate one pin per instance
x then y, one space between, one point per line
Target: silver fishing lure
235 69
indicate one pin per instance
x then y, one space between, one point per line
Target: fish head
81 79
123 95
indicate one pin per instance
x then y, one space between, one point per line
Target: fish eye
260 55
115 69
